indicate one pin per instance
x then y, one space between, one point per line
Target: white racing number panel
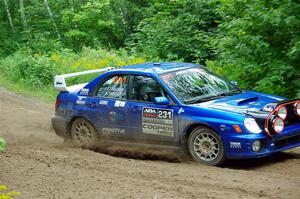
158 121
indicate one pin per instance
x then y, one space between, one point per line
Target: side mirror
234 83
161 101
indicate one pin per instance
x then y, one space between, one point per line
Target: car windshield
197 85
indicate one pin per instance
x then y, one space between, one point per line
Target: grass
31 74
47 94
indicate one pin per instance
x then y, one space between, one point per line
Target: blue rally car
176 104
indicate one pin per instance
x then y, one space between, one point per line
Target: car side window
145 89
115 87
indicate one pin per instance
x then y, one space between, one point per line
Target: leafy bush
258 45
176 30
36 70
33 70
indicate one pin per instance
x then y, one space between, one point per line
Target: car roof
157 68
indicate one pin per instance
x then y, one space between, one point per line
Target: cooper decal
158 121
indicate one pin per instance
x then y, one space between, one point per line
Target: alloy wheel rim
82 133
206 146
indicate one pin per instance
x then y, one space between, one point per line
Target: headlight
278 125
297 108
282 112
251 125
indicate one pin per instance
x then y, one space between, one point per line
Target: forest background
254 42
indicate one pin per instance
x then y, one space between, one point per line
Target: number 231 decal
164 114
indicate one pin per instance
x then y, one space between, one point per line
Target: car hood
243 102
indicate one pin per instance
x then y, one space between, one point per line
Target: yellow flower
136 60
7 195
55 57
2 187
103 62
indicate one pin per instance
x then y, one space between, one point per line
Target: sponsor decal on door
158 121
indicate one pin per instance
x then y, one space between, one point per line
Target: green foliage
2 144
258 45
37 70
34 70
176 30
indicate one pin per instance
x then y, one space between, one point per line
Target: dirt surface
38 164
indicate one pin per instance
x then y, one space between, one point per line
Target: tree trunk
9 16
51 18
23 16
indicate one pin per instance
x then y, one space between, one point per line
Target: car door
107 107
150 122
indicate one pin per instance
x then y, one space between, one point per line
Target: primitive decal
158 121
109 131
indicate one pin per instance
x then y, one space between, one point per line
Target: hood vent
247 101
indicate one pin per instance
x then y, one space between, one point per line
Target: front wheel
83 133
206 146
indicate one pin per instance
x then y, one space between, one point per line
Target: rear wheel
83 133
206 146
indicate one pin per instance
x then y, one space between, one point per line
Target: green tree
103 23
258 44
176 30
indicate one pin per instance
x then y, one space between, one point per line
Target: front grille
287 141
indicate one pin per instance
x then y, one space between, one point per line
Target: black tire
205 146
83 133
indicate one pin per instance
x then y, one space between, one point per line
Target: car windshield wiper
218 96
205 99
236 91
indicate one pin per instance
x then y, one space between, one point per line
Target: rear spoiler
60 82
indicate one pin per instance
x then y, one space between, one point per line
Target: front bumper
288 139
60 126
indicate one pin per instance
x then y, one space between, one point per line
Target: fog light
278 125
256 146
282 112
297 108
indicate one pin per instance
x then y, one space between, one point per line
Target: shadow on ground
260 162
142 154
177 157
